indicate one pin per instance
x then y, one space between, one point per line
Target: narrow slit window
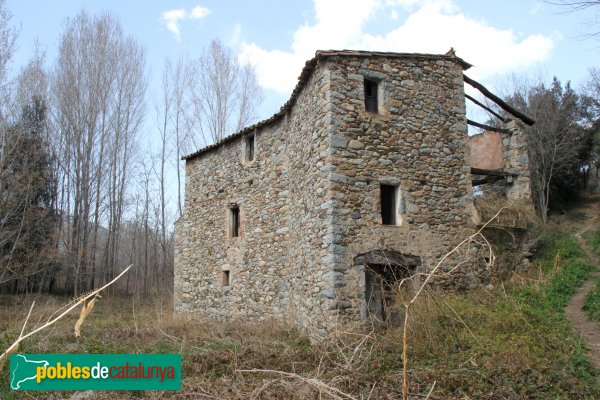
371 96
388 204
225 278
250 148
234 221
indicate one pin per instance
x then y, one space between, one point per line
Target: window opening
250 148
225 278
234 221
388 204
370 96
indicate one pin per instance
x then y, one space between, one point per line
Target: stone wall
273 265
417 141
516 161
493 150
310 201
513 192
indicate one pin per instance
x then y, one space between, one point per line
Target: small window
249 153
371 96
388 204
225 278
234 221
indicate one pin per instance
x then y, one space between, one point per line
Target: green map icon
23 369
95 372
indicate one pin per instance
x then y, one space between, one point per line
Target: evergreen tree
559 143
27 214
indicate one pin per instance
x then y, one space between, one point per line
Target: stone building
506 154
361 179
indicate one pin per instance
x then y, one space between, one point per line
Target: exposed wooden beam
488 127
487 179
491 172
480 104
512 111
386 257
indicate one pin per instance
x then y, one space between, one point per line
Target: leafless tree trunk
8 38
99 88
225 93
555 140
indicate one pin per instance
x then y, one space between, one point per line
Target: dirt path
589 330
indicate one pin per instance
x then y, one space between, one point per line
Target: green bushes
512 340
592 300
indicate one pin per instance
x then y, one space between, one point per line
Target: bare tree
575 5
556 139
226 94
176 120
592 93
33 80
200 102
27 186
572 6
592 89
181 119
167 114
8 39
99 87
128 113
250 96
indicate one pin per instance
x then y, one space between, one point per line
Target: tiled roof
309 66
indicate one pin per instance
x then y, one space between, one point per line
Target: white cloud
433 27
235 38
412 4
537 7
199 12
171 18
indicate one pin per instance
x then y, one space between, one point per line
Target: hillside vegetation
507 341
592 300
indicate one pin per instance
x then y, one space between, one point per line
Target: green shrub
592 303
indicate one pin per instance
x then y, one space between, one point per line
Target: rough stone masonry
362 179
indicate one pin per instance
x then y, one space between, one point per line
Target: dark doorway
382 285
384 270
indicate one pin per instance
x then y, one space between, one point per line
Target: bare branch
74 305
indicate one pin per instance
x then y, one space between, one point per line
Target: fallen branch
333 392
430 391
13 347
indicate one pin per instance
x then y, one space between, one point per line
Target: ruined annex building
362 178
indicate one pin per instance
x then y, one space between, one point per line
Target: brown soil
589 330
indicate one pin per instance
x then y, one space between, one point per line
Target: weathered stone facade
310 201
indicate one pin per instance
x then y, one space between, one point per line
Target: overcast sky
497 37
